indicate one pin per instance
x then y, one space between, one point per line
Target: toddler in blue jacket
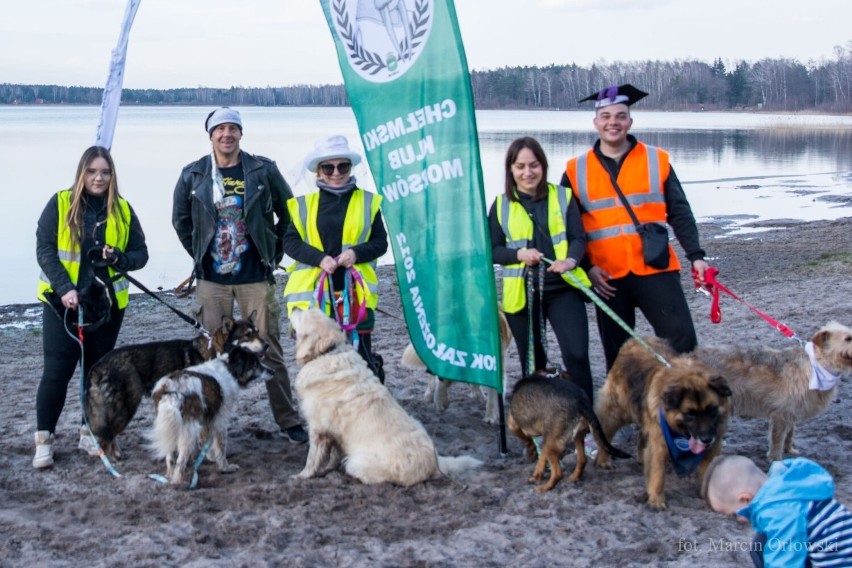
793 510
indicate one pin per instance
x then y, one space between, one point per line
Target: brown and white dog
682 411
352 418
117 383
437 389
784 385
195 405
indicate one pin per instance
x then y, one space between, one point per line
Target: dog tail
410 360
176 425
600 437
454 466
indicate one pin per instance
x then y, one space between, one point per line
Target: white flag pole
112 91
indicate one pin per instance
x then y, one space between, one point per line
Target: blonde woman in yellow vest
83 235
332 230
530 221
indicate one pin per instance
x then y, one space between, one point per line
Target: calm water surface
758 166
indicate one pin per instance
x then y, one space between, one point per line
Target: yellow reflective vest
357 225
117 235
518 228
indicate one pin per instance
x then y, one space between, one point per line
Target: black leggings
61 355
566 312
660 298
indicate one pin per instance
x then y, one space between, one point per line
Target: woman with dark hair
535 220
84 235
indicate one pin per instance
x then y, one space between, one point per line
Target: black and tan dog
557 410
117 383
682 412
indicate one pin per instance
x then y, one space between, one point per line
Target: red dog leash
714 287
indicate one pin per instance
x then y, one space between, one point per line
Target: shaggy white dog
353 418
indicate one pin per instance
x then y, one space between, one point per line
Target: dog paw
229 468
602 461
491 419
658 503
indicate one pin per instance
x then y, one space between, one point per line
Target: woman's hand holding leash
70 300
347 258
561 266
530 257
328 264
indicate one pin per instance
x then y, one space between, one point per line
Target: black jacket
194 215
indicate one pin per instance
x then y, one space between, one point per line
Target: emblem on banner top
382 38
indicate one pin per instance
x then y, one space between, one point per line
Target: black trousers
660 298
61 355
566 312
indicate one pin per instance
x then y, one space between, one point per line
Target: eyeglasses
105 174
344 168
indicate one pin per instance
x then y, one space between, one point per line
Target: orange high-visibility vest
612 242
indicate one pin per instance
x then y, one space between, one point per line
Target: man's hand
599 282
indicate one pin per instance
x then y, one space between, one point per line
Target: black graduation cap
621 94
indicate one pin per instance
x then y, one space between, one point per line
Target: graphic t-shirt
232 258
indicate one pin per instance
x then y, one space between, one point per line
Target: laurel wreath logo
369 61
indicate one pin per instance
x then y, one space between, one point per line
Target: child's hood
797 479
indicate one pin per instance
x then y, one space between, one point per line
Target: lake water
757 166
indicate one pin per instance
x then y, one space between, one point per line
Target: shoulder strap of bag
623 199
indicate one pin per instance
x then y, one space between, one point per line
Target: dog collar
821 378
684 461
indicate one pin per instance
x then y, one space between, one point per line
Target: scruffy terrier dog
557 410
682 411
784 385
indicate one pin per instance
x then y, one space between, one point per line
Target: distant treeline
768 84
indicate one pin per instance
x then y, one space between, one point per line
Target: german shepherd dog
195 404
117 383
555 409
682 411
783 384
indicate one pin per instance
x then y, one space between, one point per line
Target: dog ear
821 338
252 316
227 324
672 396
719 385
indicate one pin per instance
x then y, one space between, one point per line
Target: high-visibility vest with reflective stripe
613 243
117 233
518 228
357 227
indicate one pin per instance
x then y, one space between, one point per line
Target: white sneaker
86 443
44 449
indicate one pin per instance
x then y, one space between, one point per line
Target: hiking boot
44 449
295 434
87 444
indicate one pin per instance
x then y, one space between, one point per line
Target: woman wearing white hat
332 230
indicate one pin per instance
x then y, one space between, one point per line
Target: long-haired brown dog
776 383
557 410
686 403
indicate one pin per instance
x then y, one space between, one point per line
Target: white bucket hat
329 149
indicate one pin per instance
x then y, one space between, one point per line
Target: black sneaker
295 434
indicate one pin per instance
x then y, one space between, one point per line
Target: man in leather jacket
230 215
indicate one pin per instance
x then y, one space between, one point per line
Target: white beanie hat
329 149
222 115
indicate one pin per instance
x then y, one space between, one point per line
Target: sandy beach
76 514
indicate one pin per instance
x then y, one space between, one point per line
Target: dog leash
541 320
80 340
713 287
608 311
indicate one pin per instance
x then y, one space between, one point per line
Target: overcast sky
219 43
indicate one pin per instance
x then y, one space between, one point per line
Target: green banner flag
407 79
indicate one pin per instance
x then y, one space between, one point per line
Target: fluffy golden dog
352 418
783 385
437 389
682 412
